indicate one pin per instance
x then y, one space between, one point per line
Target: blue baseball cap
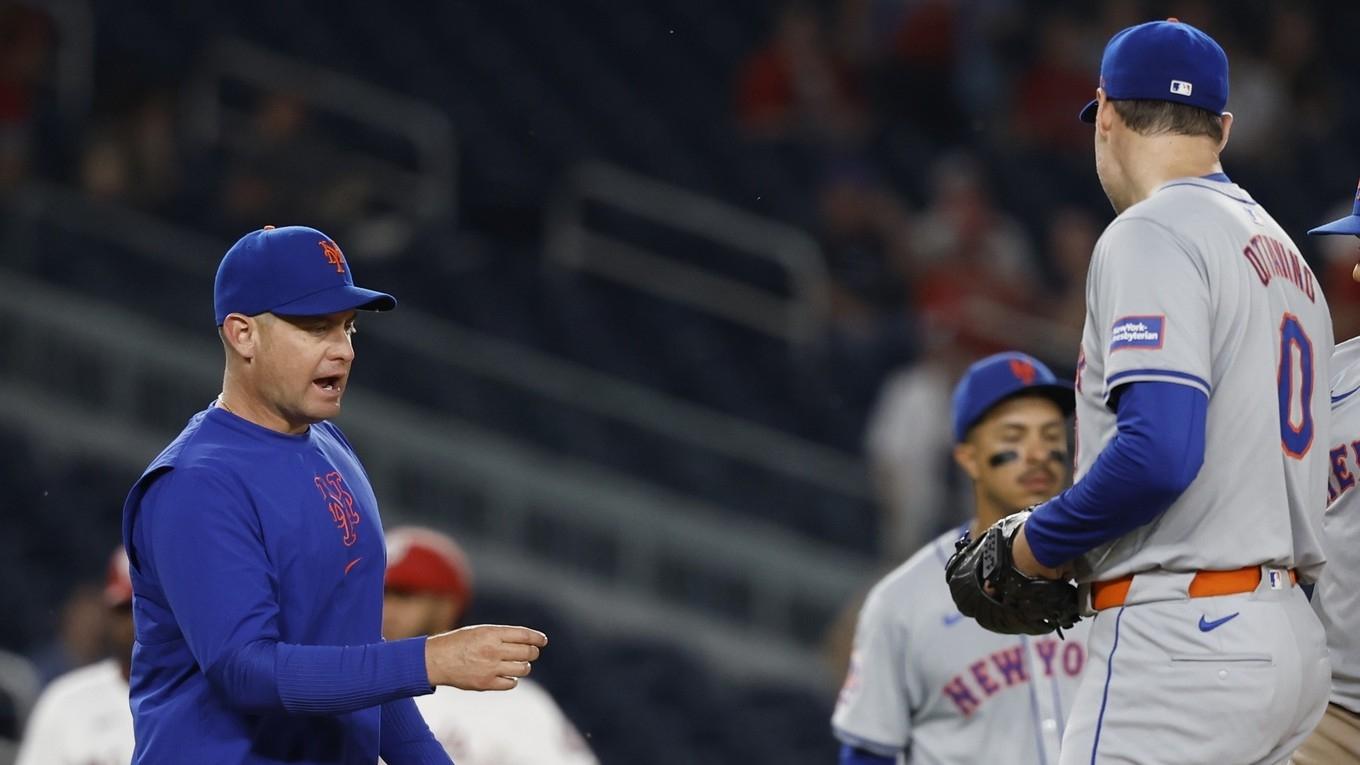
1163 61
291 271
1347 225
998 377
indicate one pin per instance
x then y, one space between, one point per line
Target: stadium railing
797 314
426 186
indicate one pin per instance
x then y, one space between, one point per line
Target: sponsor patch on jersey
1147 332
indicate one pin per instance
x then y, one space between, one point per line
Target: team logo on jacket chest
341 505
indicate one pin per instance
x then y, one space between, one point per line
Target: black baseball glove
987 587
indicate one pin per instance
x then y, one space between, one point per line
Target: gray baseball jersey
1337 598
935 687
1197 285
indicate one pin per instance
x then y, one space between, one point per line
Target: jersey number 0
1296 436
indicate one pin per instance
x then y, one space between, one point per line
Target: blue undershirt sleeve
1152 460
853 755
201 539
406 739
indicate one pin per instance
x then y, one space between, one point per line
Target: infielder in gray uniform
1337 597
927 685
1202 432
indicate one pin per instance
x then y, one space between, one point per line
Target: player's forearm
267 676
1151 461
406 739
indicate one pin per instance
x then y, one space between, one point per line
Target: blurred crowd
953 191
955 166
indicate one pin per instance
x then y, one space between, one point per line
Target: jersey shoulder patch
1145 332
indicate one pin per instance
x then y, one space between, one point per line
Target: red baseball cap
424 560
118 580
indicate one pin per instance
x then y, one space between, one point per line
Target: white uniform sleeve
873 711
523 726
47 728
560 743
1151 307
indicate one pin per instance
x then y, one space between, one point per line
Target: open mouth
332 385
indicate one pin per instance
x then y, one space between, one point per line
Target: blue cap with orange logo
1347 225
290 271
1163 61
998 377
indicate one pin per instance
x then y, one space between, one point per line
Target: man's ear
1227 129
1105 113
966 455
241 334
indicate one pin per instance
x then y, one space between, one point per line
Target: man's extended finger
514 669
519 652
524 635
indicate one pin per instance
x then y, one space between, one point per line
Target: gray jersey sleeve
874 708
1150 306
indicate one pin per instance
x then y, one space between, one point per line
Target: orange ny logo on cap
1023 371
333 255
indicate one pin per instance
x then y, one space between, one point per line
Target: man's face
1017 454
302 364
411 614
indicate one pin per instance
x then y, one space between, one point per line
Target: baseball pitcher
1202 430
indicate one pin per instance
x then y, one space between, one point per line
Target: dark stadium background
682 284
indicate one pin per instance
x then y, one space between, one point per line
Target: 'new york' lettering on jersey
1198 286
1008 667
